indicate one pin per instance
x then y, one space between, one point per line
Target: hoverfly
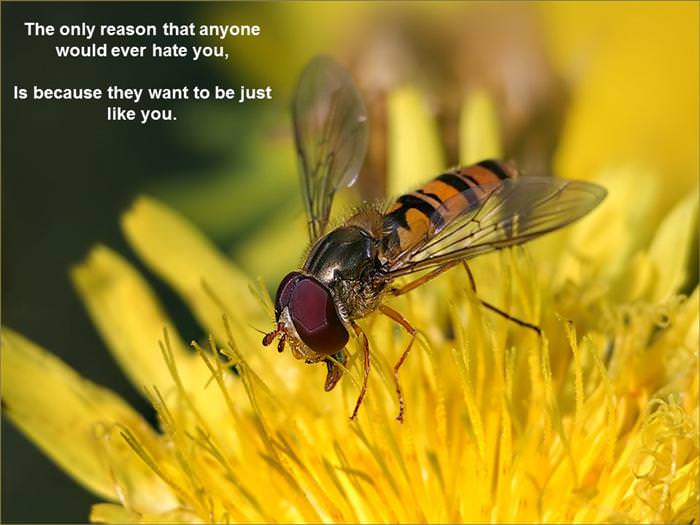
462 213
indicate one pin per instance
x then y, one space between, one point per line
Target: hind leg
496 310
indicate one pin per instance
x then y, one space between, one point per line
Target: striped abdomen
417 216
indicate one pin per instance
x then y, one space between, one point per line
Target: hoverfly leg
280 344
334 370
269 337
365 349
421 280
496 310
398 318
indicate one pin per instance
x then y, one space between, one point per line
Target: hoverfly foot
269 337
399 416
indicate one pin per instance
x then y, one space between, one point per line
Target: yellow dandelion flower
595 421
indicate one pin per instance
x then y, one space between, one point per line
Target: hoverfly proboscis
462 213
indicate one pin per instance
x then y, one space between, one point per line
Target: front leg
365 348
335 369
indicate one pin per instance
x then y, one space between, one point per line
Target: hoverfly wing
493 216
330 132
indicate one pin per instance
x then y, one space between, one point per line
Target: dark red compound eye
313 313
284 292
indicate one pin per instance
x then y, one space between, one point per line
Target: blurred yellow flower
579 87
636 68
595 422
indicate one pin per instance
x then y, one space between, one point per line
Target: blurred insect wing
467 212
330 131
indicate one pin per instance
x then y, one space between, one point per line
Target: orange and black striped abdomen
418 215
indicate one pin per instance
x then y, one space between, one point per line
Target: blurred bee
462 213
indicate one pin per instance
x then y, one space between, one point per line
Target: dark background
67 174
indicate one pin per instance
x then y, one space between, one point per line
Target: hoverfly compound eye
314 315
284 292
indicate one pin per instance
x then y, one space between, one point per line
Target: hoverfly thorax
307 318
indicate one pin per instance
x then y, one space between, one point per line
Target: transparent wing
330 131
511 212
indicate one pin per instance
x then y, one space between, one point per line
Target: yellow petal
73 421
209 283
133 325
414 148
671 247
479 130
111 513
130 319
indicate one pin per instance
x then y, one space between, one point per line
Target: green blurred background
578 87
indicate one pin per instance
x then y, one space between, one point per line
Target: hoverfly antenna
263 332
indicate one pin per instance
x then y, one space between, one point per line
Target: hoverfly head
307 319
